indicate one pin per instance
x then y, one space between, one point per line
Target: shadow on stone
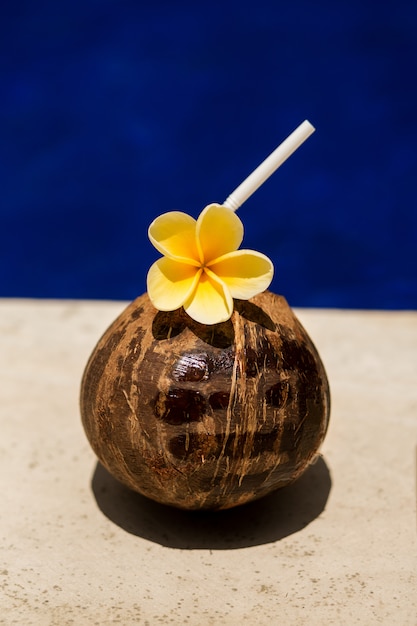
278 515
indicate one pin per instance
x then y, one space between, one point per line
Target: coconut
206 416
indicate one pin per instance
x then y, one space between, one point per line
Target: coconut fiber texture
200 416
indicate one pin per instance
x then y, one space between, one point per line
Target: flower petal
173 235
219 231
245 272
211 303
170 283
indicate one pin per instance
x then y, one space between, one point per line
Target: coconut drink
207 392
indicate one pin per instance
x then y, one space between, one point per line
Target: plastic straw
268 167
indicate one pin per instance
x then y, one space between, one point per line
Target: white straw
268 167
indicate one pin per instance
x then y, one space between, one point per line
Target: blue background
113 112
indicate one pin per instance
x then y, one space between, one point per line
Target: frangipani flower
202 268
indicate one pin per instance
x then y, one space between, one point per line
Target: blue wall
112 112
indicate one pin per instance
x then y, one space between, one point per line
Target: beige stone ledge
337 547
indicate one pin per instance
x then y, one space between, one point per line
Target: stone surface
337 547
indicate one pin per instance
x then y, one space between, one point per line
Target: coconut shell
199 416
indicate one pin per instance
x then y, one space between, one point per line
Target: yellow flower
202 268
